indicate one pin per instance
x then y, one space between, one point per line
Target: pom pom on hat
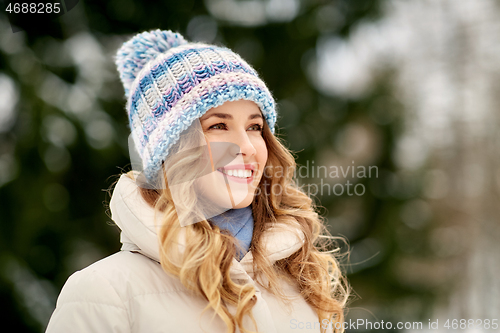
141 49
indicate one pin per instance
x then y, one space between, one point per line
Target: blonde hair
205 264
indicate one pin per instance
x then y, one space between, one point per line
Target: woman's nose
244 143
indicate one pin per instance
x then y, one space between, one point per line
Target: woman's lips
238 179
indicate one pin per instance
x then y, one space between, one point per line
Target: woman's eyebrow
228 116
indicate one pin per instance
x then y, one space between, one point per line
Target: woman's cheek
262 151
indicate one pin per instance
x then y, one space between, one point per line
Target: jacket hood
136 220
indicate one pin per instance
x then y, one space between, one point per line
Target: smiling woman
207 245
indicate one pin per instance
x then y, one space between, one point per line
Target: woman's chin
222 196
236 202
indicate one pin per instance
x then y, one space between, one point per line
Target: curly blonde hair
208 254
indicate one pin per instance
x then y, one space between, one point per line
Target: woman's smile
238 173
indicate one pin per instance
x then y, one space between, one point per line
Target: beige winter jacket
129 292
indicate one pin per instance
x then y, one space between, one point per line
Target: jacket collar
135 218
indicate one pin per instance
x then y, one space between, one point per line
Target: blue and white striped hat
170 82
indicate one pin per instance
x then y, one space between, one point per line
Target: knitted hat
170 82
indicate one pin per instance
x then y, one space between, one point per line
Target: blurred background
409 87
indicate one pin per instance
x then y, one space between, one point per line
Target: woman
216 235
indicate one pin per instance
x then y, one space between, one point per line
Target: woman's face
240 123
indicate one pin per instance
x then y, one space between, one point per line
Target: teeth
240 173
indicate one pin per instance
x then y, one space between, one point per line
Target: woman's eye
258 127
218 126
